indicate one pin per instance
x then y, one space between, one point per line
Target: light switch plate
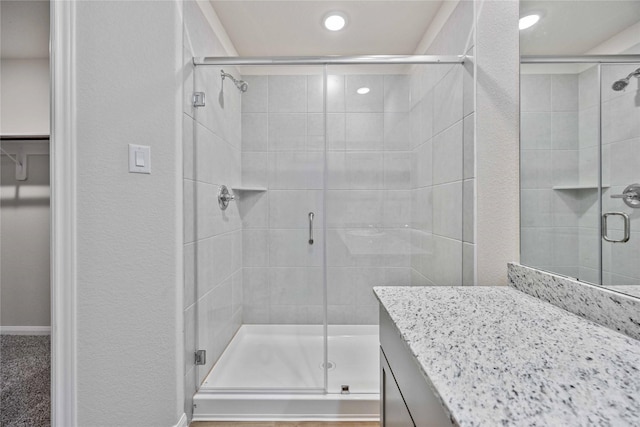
139 158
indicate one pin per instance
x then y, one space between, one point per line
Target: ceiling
294 28
24 29
290 28
271 28
575 27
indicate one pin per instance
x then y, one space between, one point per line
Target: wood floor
284 424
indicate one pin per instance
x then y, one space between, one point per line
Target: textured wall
497 134
129 226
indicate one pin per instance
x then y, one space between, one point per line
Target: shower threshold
276 373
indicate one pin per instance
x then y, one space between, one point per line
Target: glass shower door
258 263
395 185
620 155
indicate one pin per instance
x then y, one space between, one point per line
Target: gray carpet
25 381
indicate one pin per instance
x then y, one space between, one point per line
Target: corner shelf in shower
578 187
253 189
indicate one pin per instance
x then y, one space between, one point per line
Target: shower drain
330 365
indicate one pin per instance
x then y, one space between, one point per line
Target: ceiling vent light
528 21
335 21
363 91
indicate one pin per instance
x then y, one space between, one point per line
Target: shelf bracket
21 165
20 160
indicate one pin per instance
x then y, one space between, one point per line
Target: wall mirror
580 140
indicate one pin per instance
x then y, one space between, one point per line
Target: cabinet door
393 410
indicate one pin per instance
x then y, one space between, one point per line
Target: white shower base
274 372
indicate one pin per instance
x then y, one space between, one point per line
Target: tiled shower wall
442 178
281 120
212 238
443 152
550 157
368 195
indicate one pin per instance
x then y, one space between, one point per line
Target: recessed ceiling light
528 21
363 90
335 21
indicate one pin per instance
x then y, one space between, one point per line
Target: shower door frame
598 61
325 62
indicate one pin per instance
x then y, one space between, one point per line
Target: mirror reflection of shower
622 83
240 84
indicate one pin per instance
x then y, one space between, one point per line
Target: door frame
63 214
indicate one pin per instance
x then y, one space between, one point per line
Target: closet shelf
25 138
255 189
579 187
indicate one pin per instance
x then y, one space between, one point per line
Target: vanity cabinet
393 409
406 398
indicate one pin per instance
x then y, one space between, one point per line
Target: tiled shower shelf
256 189
579 187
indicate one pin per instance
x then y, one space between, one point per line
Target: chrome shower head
240 84
622 83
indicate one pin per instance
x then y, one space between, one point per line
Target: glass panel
620 160
559 134
394 200
258 276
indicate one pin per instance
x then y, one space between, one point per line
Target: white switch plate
139 155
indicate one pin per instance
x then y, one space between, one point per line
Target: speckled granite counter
497 356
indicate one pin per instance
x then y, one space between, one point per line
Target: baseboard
183 421
25 330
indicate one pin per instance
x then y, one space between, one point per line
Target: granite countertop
497 356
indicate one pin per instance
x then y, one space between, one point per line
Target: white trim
183 421
25 330
63 216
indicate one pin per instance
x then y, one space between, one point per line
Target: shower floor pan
275 372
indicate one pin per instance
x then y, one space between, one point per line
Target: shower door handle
311 215
627 227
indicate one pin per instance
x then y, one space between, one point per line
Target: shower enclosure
343 173
580 150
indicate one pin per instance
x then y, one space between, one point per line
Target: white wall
24 248
24 106
127 82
